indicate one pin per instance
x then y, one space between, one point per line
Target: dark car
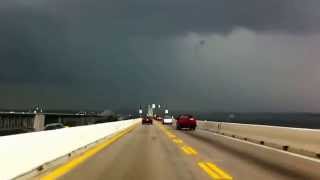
186 121
147 120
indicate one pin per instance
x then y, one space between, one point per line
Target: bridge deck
161 153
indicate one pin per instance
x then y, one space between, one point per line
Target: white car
167 120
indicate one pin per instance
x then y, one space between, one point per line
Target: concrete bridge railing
26 155
37 121
296 140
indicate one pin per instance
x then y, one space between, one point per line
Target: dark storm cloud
31 47
35 34
115 51
177 17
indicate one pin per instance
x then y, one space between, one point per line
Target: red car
186 121
147 120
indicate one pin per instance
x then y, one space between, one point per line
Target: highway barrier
294 165
26 155
297 140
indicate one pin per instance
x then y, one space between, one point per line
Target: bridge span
161 152
152 152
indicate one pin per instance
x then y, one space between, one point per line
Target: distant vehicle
81 113
147 120
159 118
167 119
186 121
53 126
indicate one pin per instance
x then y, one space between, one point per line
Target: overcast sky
208 55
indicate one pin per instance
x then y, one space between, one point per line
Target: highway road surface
157 152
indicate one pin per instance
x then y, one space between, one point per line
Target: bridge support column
59 119
38 122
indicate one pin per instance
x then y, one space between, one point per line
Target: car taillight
192 119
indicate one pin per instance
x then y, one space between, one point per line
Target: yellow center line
65 168
193 151
223 174
177 141
188 150
211 169
172 136
206 169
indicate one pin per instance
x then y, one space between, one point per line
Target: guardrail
11 121
28 154
296 140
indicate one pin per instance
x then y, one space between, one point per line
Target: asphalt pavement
157 152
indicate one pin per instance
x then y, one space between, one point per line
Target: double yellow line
189 150
214 171
211 169
185 148
177 141
170 135
65 168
